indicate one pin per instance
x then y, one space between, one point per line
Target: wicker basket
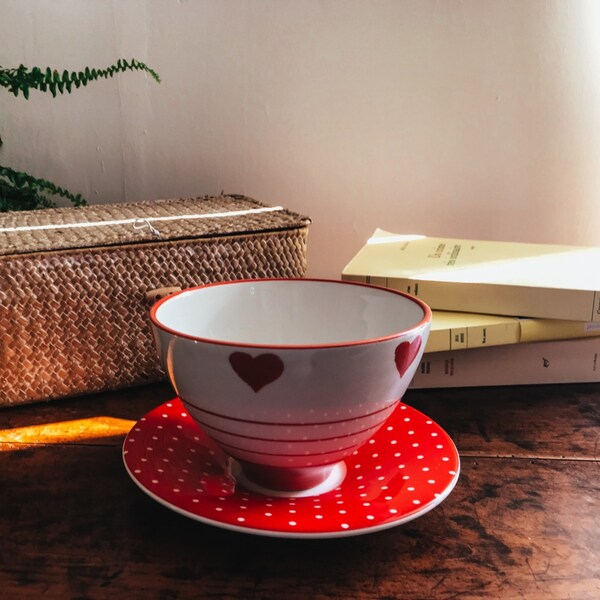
74 283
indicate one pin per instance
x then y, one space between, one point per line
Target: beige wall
472 118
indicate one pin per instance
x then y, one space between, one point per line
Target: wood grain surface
522 522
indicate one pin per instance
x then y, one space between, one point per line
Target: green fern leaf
21 191
23 80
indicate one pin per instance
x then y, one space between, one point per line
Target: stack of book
504 313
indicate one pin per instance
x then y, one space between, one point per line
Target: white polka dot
138 471
401 466
410 489
176 490
425 469
406 477
342 512
344 526
241 519
411 432
292 523
394 442
452 472
370 517
432 481
165 416
439 446
155 481
388 498
385 487
195 500
218 509
445 458
420 457
416 445
318 516
416 502
378 468
366 504
393 511
390 428
357 466
434 434
184 414
131 440
371 441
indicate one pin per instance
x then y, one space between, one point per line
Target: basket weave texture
73 283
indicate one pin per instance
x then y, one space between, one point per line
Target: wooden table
522 522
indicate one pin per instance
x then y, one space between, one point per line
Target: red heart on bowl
405 354
257 371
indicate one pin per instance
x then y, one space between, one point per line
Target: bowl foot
293 483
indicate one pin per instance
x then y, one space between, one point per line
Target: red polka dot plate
410 466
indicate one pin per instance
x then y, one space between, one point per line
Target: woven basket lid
54 229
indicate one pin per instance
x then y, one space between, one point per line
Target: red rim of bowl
426 316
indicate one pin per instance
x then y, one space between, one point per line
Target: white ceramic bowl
290 376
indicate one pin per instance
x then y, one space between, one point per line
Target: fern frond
22 79
21 191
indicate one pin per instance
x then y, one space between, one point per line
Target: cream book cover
565 361
503 278
459 331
